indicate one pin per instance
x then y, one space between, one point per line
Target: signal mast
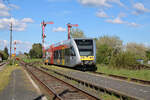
15 48
69 28
43 24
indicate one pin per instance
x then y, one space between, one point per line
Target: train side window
67 53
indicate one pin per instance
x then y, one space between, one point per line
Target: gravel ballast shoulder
142 92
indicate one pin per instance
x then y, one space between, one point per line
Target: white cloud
18 25
13 6
59 29
27 20
104 3
122 15
133 24
18 41
3 6
101 14
23 46
4 13
118 20
58 0
140 9
3 43
4 10
117 2
95 3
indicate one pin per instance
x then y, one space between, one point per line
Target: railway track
60 89
122 89
1 64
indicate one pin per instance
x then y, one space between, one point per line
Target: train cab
86 50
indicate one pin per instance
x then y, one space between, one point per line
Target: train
78 53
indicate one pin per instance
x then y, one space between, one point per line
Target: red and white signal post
43 35
15 48
69 28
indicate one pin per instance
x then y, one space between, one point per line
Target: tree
148 54
111 41
103 54
4 55
77 33
138 49
124 60
107 46
6 52
36 51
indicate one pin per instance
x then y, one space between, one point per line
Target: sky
127 19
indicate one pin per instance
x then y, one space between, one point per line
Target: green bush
125 60
4 55
36 51
103 54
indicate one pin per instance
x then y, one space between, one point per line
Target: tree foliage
126 60
111 41
107 46
77 33
103 54
148 54
4 54
138 49
36 51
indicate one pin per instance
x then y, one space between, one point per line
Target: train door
63 56
66 56
72 57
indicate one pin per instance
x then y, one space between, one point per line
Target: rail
49 90
119 94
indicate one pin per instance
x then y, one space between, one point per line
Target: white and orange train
77 53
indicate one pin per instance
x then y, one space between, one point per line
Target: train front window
85 47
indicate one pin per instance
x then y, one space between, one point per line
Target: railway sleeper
98 89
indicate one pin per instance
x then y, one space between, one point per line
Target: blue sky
127 19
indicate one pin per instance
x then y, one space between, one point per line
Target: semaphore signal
69 28
43 24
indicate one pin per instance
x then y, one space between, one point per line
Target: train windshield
85 47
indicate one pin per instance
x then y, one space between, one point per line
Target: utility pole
10 40
43 35
69 28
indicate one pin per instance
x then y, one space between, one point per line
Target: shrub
103 54
125 60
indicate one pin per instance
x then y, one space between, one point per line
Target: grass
32 60
143 74
109 97
5 75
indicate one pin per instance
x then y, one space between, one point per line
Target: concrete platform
20 87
